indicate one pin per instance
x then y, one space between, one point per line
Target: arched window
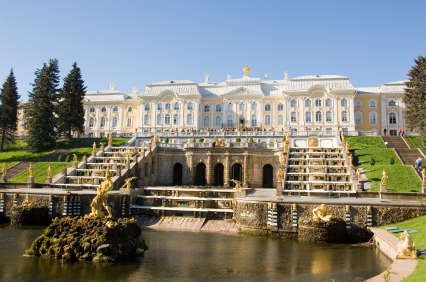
267 120
190 106
206 108
308 103
328 116
218 121
344 116
167 106
293 103
392 118
176 106
103 110
91 122
218 108
267 108
159 119
318 116
373 104
114 121
308 116
129 122
176 119
129 109
189 119
254 120
230 107
254 106
293 117
167 119
329 103
92 110
242 106
115 109
358 104
206 121
229 120
358 118
344 102
160 107
373 118
318 102
146 120
280 107
147 107
392 103
280 120
103 121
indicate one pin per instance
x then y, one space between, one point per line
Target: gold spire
246 71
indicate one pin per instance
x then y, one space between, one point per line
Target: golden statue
285 146
128 183
27 203
347 147
155 139
294 207
4 169
74 159
424 177
216 141
348 208
280 175
127 158
406 248
313 142
101 198
358 174
287 136
222 142
246 71
237 184
143 147
320 214
342 136
30 170
350 160
49 171
110 137
384 177
282 160
94 147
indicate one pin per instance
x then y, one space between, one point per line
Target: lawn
116 142
419 239
415 142
39 172
400 176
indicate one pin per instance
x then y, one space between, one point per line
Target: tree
415 97
42 122
8 109
70 109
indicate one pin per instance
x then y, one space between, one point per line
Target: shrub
238 139
201 140
167 140
372 161
391 161
251 140
193 139
68 158
60 158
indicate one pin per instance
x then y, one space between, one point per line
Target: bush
372 161
167 140
238 139
391 161
60 158
67 160
201 140
193 139
251 140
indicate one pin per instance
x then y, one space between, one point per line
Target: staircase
407 155
17 169
63 152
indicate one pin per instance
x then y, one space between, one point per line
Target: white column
223 112
287 114
383 111
211 115
302 114
196 113
154 115
181 107
336 121
260 111
234 107
120 119
141 111
351 114
273 114
400 119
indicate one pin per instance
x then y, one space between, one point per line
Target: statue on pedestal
342 136
384 177
4 170
406 248
320 214
94 147
101 198
358 174
30 170
74 159
280 175
49 172
237 184
143 147
155 139
128 183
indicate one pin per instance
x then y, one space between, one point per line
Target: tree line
51 111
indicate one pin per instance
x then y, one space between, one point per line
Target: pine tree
71 110
8 109
42 123
415 97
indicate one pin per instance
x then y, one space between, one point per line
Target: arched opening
177 174
218 175
237 173
268 176
200 174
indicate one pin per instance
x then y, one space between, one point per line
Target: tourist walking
402 135
384 131
399 131
418 163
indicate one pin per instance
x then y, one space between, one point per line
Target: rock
104 248
87 247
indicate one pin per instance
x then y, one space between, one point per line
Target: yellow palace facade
327 103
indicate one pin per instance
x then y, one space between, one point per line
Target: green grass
415 142
399 175
116 142
419 239
39 172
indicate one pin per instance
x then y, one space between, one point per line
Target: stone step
18 169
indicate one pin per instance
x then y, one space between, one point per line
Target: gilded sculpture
4 169
110 137
347 147
287 136
313 142
406 248
143 148
94 147
49 172
246 71
27 203
280 175
424 177
350 159
127 158
237 184
384 177
320 214
74 159
358 174
285 146
342 136
128 183
101 198
282 160
155 139
294 207
30 170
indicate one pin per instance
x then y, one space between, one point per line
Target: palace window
24 123
115 109
318 103
190 106
229 120
167 106
218 108
329 103
293 117
146 120
206 121
91 122
254 120
159 107
218 121
159 119
229 107
103 110
176 119
308 116
280 120
358 104
254 106
242 106
392 118
392 103
267 108
280 107
103 121
129 122
92 110
147 107
318 116
267 120
167 119
373 104
206 108
358 118
344 116
328 116
308 103
293 103
373 118
176 106
189 119
344 102
130 109
114 121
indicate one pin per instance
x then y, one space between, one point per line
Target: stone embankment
99 240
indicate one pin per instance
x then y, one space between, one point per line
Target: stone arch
236 173
218 174
268 176
200 174
177 174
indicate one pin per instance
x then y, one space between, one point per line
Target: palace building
326 103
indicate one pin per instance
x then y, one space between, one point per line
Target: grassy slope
419 239
39 172
415 142
399 175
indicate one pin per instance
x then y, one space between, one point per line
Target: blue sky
134 43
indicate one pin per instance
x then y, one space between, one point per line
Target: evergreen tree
42 123
8 109
71 110
415 97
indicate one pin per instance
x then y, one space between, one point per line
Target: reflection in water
184 256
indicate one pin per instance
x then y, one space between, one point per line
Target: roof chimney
113 86
207 78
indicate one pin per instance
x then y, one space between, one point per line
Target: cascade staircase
17 169
63 152
407 155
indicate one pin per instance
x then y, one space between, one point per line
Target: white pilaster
351 114
383 111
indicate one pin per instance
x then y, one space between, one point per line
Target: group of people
400 132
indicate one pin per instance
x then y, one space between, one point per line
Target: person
418 163
399 131
384 131
403 133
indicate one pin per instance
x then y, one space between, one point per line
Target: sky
134 43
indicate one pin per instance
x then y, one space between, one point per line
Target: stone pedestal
102 148
383 188
3 178
93 153
109 143
359 187
74 165
64 171
279 189
84 159
241 194
31 181
49 180
423 189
